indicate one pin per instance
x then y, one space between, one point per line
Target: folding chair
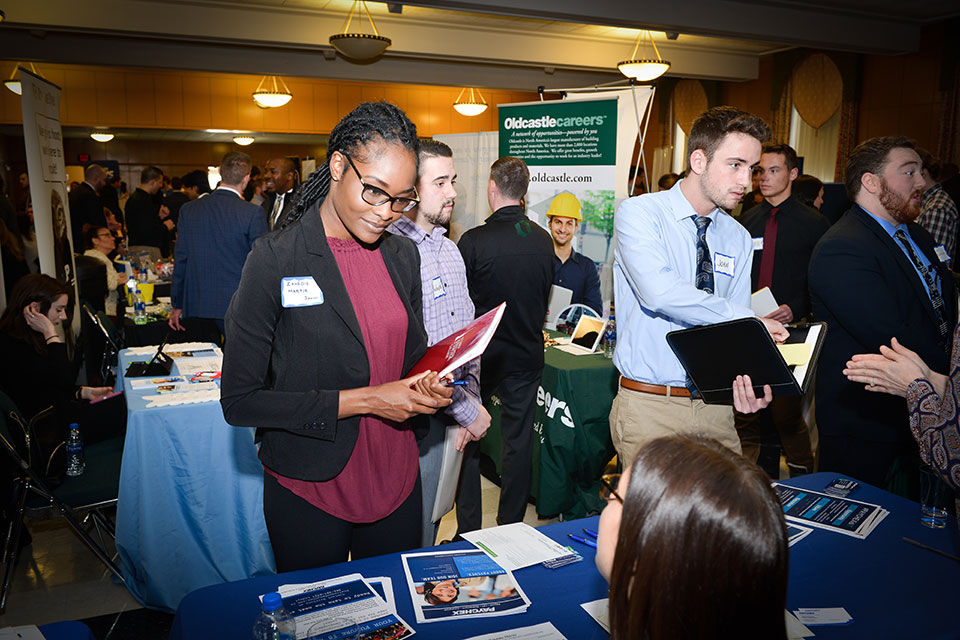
112 345
92 492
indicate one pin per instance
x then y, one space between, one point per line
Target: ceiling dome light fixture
273 95
101 136
644 69
243 141
471 106
359 45
13 83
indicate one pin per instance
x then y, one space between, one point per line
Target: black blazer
85 208
799 228
866 289
283 368
288 207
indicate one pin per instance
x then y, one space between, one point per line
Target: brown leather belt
657 389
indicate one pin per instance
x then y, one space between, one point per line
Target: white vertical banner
40 104
473 153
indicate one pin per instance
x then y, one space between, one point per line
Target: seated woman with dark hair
693 542
100 243
38 372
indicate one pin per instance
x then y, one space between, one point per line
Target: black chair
92 493
98 327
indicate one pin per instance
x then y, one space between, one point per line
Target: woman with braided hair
324 325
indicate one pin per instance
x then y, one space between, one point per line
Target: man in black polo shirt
784 233
509 258
572 270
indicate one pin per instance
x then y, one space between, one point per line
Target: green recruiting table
572 441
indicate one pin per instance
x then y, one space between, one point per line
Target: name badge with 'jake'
300 292
723 264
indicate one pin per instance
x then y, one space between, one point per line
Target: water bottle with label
274 622
75 463
139 308
610 337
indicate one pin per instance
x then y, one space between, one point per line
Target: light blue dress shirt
891 229
653 278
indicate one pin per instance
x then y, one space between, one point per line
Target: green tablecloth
572 425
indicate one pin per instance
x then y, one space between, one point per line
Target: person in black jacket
510 258
86 207
148 221
321 332
874 276
784 233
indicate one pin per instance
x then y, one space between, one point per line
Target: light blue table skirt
190 510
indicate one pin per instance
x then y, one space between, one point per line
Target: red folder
462 346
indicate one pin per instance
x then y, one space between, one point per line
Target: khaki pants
636 418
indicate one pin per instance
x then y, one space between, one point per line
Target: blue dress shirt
653 279
579 274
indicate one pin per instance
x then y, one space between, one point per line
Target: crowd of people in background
328 291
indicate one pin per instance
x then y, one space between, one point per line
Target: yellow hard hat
565 205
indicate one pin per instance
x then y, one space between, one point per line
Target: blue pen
457 383
592 534
589 543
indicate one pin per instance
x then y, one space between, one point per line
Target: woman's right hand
38 321
399 401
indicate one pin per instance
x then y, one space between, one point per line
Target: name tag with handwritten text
723 264
300 292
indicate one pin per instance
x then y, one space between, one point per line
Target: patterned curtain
781 117
847 139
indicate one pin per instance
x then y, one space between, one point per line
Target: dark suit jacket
799 228
510 258
144 226
288 205
214 236
283 368
866 289
85 208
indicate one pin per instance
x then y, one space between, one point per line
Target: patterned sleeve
934 420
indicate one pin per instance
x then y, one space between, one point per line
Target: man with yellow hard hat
572 270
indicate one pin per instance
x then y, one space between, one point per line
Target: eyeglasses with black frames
376 196
609 489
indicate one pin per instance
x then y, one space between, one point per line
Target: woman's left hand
433 386
890 371
94 393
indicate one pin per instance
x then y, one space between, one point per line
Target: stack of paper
450 585
816 616
350 597
840 515
796 533
187 397
518 545
542 631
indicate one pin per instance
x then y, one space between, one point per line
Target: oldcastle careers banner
570 147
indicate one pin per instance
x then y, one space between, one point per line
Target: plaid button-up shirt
938 215
446 306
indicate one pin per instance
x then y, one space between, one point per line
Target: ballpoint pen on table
589 543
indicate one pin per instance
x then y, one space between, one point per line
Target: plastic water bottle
75 462
139 308
610 337
274 622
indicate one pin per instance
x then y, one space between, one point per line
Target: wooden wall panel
441 106
141 99
223 102
79 98
197 112
168 91
301 111
418 108
326 106
348 97
249 115
111 97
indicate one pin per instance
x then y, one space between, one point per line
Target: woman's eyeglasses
377 196
609 489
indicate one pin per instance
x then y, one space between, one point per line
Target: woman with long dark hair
693 541
320 334
38 372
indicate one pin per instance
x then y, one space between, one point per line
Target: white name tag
300 292
723 264
758 244
941 252
438 290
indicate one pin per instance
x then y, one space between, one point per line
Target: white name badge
723 264
438 290
941 252
758 244
300 292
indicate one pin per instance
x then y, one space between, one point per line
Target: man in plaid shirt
938 211
446 308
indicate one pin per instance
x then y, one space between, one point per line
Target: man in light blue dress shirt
655 275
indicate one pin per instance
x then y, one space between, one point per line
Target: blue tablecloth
69 630
190 510
892 589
